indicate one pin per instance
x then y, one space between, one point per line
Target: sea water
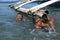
10 29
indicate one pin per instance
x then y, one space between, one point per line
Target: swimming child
43 21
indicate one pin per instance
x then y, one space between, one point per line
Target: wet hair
20 14
46 12
44 18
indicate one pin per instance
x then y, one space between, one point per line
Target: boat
32 6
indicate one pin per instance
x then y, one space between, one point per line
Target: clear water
10 29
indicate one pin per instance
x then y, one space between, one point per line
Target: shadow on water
10 29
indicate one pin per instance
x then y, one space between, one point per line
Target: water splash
37 32
39 35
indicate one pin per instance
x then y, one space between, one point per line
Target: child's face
37 19
19 17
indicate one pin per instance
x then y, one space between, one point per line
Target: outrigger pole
16 7
33 9
43 5
18 4
12 5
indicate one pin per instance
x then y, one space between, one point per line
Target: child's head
19 16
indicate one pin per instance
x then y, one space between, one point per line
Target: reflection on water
10 29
